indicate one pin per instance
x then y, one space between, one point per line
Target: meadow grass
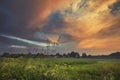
59 69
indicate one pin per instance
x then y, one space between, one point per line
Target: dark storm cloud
15 16
115 8
20 13
7 21
54 23
66 38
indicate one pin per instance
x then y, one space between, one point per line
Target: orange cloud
45 8
84 21
52 40
110 43
100 5
87 27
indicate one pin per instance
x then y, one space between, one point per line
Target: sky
91 26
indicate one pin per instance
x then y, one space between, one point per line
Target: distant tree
74 54
115 55
84 55
65 55
58 55
89 56
40 55
77 55
6 54
29 54
15 55
69 55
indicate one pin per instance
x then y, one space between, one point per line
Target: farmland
59 69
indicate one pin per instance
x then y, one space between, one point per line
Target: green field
59 69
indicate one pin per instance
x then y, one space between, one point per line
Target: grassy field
58 69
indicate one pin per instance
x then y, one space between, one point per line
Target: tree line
72 54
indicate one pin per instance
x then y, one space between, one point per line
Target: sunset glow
86 24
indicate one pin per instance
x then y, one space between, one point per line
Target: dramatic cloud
25 40
17 46
88 24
